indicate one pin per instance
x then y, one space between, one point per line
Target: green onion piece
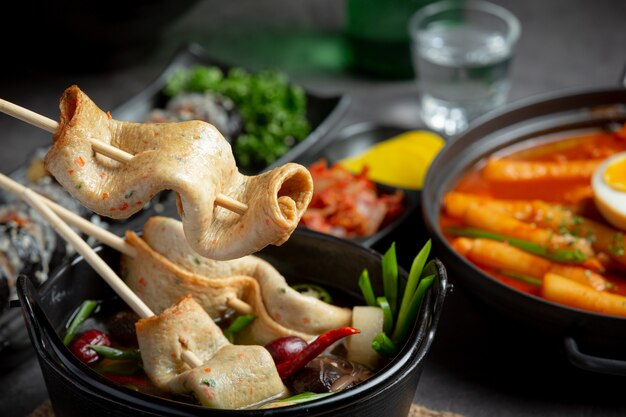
302 398
384 345
315 291
84 311
405 321
521 277
238 325
387 314
366 288
390 277
414 277
123 368
558 255
118 354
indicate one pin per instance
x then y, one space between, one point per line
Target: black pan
601 337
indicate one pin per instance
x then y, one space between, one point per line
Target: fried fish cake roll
230 377
235 377
166 268
191 158
162 339
158 282
284 304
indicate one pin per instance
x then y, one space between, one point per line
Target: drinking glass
462 52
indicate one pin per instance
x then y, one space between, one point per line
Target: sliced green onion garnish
414 277
405 321
558 255
384 345
118 354
387 314
298 398
238 325
307 396
84 311
390 277
366 288
521 277
397 325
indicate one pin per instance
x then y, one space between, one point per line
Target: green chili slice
315 291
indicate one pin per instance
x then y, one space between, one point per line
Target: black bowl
74 388
601 335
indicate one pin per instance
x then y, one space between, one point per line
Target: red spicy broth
576 194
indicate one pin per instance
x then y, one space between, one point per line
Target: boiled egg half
609 190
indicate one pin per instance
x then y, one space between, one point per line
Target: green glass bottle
378 36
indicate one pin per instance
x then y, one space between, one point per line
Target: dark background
480 364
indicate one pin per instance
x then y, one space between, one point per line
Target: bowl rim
45 338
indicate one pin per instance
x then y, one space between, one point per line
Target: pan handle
592 363
622 80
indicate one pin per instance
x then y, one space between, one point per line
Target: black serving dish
353 140
74 387
322 112
601 337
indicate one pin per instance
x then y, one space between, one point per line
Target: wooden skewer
74 219
239 306
105 271
110 239
105 149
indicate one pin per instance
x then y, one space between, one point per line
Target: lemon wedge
401 161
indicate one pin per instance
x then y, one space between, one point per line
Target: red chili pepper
80 345
313 350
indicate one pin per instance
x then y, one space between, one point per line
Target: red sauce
576 194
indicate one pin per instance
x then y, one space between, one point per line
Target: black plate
322 112
355 139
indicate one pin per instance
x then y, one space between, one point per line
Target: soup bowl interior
308 256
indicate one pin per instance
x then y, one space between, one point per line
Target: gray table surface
479 365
